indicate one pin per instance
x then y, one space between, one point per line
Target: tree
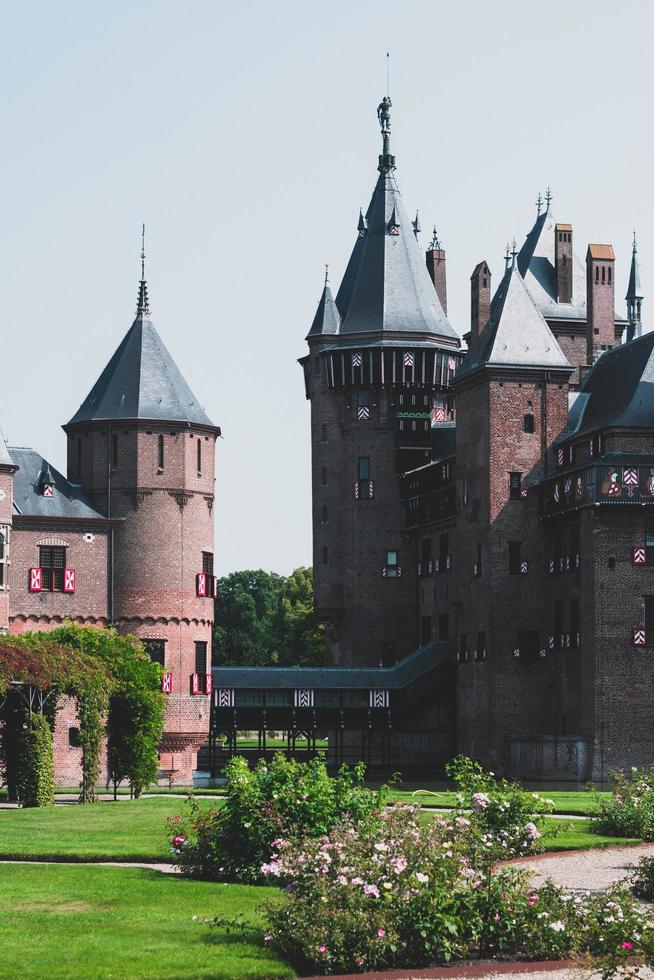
263 618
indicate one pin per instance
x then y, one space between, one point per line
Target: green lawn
565 802
61 921
126 830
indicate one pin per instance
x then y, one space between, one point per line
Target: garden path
594 870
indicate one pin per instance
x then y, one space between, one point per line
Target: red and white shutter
195 684
638 556
639 636
201 584
36 580
167 682
208 683
70 579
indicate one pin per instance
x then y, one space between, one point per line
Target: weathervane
326 273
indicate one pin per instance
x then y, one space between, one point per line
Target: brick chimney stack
563 262
435 257
600 300
480 300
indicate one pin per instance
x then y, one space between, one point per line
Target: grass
61 921
133 830
565 802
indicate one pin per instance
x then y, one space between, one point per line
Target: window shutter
208 683
201 584
70 579
167 682
195 683
36 580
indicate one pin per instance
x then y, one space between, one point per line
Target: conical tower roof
386 287
327 319
5 457
141 381
517 333
634 290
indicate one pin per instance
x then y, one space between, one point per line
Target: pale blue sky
245 136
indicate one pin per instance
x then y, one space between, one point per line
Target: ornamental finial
434 243
143 305
548 197
539 203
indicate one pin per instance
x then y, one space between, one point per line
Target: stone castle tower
143 450
381 359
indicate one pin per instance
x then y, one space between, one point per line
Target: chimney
563 262
436 268
480 299
600 300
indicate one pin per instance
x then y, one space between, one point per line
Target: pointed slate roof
327 319
386 286
536 264
141 381
517 333
67 501
619 389
634 290
5 457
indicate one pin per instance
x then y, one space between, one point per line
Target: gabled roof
516 332
5 458
536 264
67 500
141 381
386 286
619 389
327 319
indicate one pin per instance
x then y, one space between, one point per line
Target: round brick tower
143 449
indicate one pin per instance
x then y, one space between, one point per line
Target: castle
497 501
126 538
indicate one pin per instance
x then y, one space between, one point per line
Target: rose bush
405 893
285 798
630 810
512 815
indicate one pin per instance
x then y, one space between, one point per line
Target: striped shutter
36 580
70 579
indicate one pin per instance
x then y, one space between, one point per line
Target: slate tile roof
327 319
141 381
536 264
67 501
5 458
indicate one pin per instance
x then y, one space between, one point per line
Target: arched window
596 273
160 452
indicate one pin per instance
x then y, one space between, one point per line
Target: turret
480 301
600 299
435 257
634 296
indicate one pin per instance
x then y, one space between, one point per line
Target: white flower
557 926
422 878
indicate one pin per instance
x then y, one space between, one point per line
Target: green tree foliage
267 619
36 785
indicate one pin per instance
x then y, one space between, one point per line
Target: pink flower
462 822
371 890
382 932
322 949
481 800
178 840
626 945
496 917
399 865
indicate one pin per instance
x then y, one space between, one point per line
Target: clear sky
245 136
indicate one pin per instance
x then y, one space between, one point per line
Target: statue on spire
384 114
386 159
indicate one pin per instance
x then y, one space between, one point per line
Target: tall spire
634 295
143 305
386 159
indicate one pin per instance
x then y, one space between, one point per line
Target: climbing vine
36 786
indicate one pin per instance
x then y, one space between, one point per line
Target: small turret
435 257
634 296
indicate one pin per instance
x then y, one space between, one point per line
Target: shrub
513 816
405 894
630 810
36 785
642 879
283 799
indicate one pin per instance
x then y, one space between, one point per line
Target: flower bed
630 810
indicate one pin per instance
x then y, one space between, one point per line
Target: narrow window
478 562
363 466
4 555
324 513
73 738
515 549
199 456
481 646
200 656
391 564
603 275
156 651
596 273
463 647
52 562
444 626
363 404
466 492
114 450
443 549
323 476
160 452
515 482
324 433
609 272
207 563
426 629
529 423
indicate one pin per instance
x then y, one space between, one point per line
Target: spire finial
514 253
507 256
434 243
326 273
539 203
635 247
386 160
548 197
143 305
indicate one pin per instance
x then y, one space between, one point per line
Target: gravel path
166 869
594 870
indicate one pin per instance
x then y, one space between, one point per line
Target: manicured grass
128 830
576 834
565 802
61 921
